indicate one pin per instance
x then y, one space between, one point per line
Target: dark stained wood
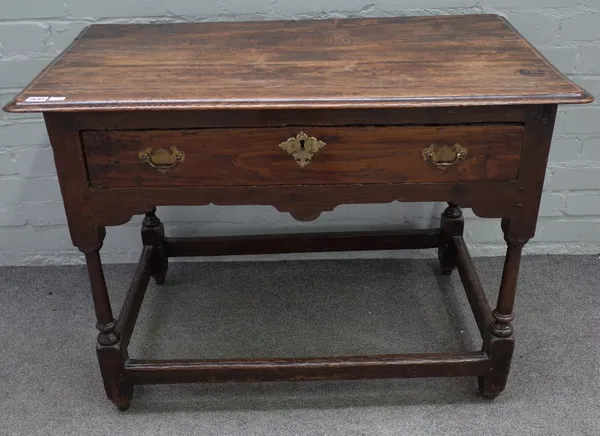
105 323
135 296
118 388
365 63
295 199
503 313
317 368
378 91
452 225
517 229
111 356
500 341
539 127
153 234
217 157
150 120
72 178
473 288
501 350
301 243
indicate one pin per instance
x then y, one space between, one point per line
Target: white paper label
57 98
36 99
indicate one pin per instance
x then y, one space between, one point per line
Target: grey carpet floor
50 384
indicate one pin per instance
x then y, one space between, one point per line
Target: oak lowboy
303 116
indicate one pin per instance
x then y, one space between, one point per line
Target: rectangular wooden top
373 63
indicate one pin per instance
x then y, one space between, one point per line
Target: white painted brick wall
584 204
590 148
32 220
589 62
581 27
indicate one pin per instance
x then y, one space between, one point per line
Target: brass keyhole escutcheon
444 156
302 148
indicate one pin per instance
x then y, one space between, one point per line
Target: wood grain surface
219 157
380 62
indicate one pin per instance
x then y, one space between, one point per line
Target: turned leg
153 233
110 355
452 224
500 341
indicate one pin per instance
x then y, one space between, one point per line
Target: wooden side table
303 116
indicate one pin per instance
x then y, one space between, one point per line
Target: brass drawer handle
444 157
302 147
161 159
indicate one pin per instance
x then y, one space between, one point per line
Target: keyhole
302 142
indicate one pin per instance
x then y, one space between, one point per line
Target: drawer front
325 155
